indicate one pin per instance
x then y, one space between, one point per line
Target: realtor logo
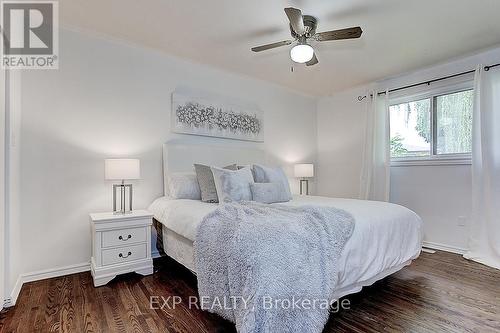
29 34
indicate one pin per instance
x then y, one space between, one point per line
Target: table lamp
122 169
304 171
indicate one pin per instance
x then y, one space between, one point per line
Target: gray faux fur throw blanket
263 266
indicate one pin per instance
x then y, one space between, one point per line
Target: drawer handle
125 239
122 256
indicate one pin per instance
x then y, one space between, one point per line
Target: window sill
432 161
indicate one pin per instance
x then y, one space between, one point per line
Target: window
435 127
410 129
454 123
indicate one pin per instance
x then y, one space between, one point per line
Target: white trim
48 274
42 275
55 272
431 93
11 301
443 247
3 192
431 161
438 89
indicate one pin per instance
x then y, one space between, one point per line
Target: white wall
341 121
110 99
441 195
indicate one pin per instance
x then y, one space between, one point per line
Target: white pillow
265 174
184 185
268 192
233 185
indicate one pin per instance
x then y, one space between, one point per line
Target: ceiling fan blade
313 61
271 46
296 20
348 33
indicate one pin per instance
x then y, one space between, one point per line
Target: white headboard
180 157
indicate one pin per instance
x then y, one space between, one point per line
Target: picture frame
215 117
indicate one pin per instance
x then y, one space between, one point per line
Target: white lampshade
301 53
304 170
122 168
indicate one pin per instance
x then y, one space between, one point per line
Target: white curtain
375 173
484 233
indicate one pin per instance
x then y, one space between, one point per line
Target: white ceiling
399 35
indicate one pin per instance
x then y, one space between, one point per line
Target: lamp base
123 202
119 212
302 181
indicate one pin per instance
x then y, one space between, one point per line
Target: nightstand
120 244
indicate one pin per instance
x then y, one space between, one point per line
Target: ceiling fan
303 29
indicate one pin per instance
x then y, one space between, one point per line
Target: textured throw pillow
268 192
263 174
183 185
259 173
206 182
233 185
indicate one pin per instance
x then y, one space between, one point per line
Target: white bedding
386 236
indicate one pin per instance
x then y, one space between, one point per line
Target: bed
386 236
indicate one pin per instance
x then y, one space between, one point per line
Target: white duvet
385 238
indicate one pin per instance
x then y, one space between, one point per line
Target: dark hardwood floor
439 292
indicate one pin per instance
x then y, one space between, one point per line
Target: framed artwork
208 116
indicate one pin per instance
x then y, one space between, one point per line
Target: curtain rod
486 68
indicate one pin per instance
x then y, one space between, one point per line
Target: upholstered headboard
180 157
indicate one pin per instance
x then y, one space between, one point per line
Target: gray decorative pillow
259 174
246 166
263 174
183 185
268 192
206 182
233 185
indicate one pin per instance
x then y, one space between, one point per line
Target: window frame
433 158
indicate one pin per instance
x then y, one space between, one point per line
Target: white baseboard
55 272
42 275
443 247
11 300
48 274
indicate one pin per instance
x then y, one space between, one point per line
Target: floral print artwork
205 118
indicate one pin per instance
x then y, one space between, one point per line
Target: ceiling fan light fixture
301 53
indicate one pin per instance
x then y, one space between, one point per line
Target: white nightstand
120 244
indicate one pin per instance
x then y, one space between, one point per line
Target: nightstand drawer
123 237
124 254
